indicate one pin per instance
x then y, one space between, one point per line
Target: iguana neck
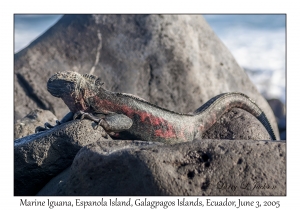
77 101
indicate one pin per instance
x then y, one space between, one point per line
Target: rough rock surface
26 126
201 167
237 124
174 61
55 186
40 157
50 147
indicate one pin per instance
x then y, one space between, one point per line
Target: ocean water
256 41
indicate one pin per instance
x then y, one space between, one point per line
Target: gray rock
282 128
26 126
174 61
201 167
283 135
279 110
237 124
40 157
56 185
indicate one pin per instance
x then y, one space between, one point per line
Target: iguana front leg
111 122
86 115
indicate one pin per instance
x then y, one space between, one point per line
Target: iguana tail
212 110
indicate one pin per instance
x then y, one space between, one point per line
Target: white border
8 8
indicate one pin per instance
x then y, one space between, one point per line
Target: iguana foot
40 129
47 126
85 115
98 121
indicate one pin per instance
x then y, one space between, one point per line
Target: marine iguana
130 117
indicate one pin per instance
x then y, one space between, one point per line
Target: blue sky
29 27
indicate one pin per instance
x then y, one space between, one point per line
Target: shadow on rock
201 167
40 157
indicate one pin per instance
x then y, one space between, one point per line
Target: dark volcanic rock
54 186
282 128
237 124
278 108
174 61
26 126
201 167
57 184
40 157
280 113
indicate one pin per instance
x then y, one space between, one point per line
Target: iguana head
73 88
63 83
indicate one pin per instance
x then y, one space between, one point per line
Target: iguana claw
85 115
39 129
77 114
47 126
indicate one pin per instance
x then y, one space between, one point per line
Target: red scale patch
169 132
163 128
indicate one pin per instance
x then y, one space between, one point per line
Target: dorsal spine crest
93 79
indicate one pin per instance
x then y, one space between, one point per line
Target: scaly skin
85 94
